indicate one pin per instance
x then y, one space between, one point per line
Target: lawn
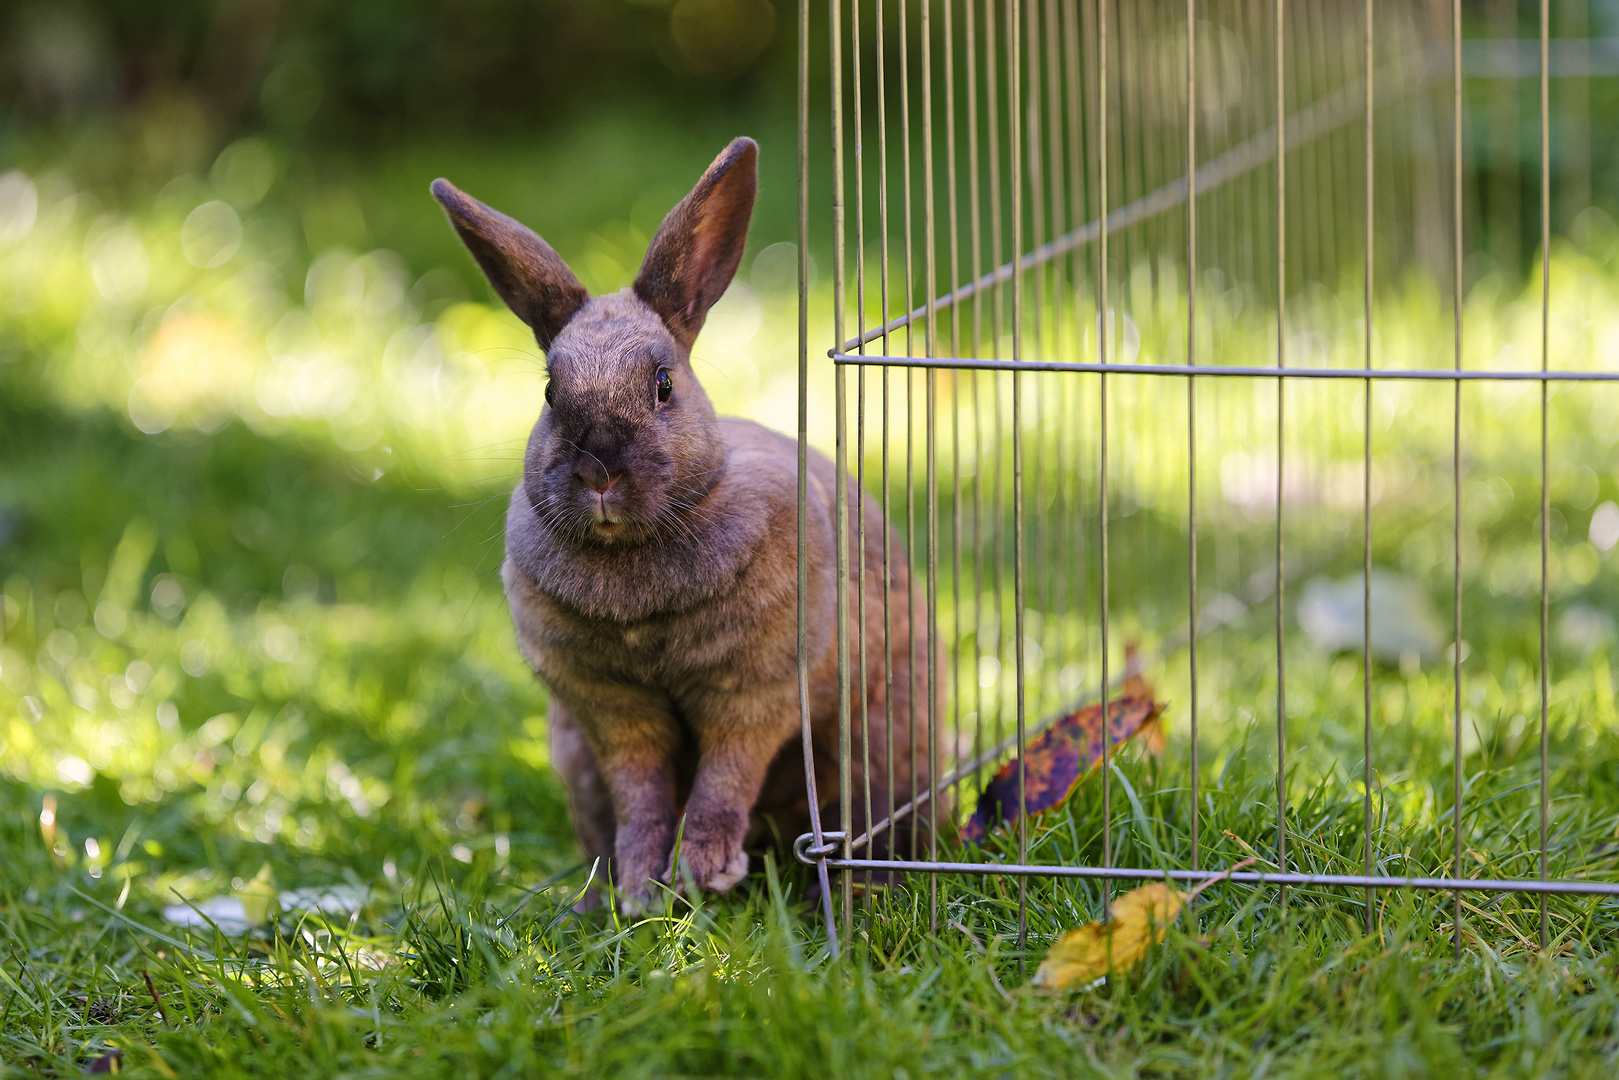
252 625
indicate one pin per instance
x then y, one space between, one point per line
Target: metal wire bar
1014 92
1366 506
952 215
1036 282
1191 401
993 135
1281 388
954 218
808 854
1034 151
881 51
977 232
1090 48
860 412
907 231
1456 452
887 516
1075 566
1082 20
1104 327
1545 487
888 608
931 463
803 467
841 481
1311 122
997 504
1052 555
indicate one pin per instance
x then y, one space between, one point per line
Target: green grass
275 636
405 680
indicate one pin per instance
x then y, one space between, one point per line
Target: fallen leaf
1089 952
1059 758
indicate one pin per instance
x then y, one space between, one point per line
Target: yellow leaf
258 898
1089 952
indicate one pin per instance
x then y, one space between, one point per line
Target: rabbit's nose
596 478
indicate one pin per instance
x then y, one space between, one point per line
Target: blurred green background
571 114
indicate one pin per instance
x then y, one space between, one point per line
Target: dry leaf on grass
1140 917
1089 952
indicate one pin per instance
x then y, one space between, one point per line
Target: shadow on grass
221 650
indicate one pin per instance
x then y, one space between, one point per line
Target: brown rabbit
651 564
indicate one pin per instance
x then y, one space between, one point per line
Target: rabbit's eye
550 393
666 385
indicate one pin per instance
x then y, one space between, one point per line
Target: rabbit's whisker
588 454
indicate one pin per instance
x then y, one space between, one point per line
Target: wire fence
1084 251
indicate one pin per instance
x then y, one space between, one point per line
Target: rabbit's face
627 445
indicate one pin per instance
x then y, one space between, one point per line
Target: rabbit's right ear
531 277
696 251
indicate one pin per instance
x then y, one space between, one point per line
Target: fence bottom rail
811 856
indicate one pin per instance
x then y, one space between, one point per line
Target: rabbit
651 568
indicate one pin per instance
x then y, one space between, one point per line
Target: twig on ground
156 998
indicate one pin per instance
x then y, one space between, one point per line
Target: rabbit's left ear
696 251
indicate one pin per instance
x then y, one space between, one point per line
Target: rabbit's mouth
606 510
603 518
614 515
601 513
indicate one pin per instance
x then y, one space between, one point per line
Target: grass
448 971
235 636
397 747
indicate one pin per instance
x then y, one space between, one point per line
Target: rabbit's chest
741 633
718 651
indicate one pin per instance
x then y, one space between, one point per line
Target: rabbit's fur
651 566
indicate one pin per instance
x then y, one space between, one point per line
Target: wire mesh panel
1167 363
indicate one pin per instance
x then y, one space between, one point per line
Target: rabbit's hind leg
588 798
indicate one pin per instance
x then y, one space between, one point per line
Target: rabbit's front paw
710 853
641 856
